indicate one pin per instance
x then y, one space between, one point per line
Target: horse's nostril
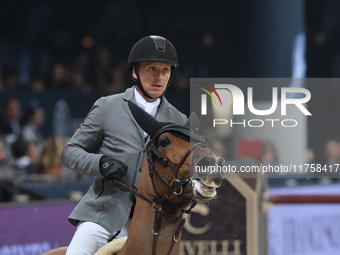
206 161
209 170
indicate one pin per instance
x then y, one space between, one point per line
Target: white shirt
149 107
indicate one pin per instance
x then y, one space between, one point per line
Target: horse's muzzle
207 176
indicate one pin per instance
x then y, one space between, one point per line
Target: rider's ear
134 75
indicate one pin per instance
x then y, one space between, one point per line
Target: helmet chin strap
140 86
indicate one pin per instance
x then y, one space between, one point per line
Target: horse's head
185 161
174 153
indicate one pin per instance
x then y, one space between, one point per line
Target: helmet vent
159 42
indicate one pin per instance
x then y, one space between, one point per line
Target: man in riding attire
109 144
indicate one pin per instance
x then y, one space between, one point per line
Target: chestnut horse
167 191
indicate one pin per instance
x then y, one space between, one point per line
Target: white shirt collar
141 102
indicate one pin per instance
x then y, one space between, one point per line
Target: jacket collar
163 113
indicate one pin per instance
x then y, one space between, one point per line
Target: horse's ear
193 122
148 123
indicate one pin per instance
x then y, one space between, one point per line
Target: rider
109 144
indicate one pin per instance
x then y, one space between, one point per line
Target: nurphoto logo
278 101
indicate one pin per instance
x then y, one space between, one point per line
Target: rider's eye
165 141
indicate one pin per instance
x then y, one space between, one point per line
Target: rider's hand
112 169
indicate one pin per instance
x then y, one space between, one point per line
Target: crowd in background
79 75
43 53
24 148
25 155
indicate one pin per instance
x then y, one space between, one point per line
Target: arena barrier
34 228
304 220
233 224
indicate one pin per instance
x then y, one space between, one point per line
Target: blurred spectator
81 61
7 187
103 60
6 173
332 152
10 77
34 119
37 84
59 77
78 82
26 155
3 154
50 162
269 156
10 117
117 81
100 75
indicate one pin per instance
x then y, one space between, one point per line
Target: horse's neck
141 238
140 233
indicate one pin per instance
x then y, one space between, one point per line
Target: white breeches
90 237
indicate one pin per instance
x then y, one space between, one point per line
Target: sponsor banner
33 229
304 229
217 227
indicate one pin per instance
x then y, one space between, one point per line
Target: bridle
175 186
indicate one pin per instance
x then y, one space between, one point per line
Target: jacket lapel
163 113
129 95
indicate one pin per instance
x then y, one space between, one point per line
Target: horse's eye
164 141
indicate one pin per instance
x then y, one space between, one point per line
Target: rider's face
154 77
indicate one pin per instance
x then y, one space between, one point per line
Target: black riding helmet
152 48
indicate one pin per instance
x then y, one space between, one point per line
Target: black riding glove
112 169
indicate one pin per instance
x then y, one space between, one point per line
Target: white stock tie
148 107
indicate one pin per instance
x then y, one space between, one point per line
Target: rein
175 187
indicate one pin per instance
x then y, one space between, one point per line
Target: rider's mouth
156 86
